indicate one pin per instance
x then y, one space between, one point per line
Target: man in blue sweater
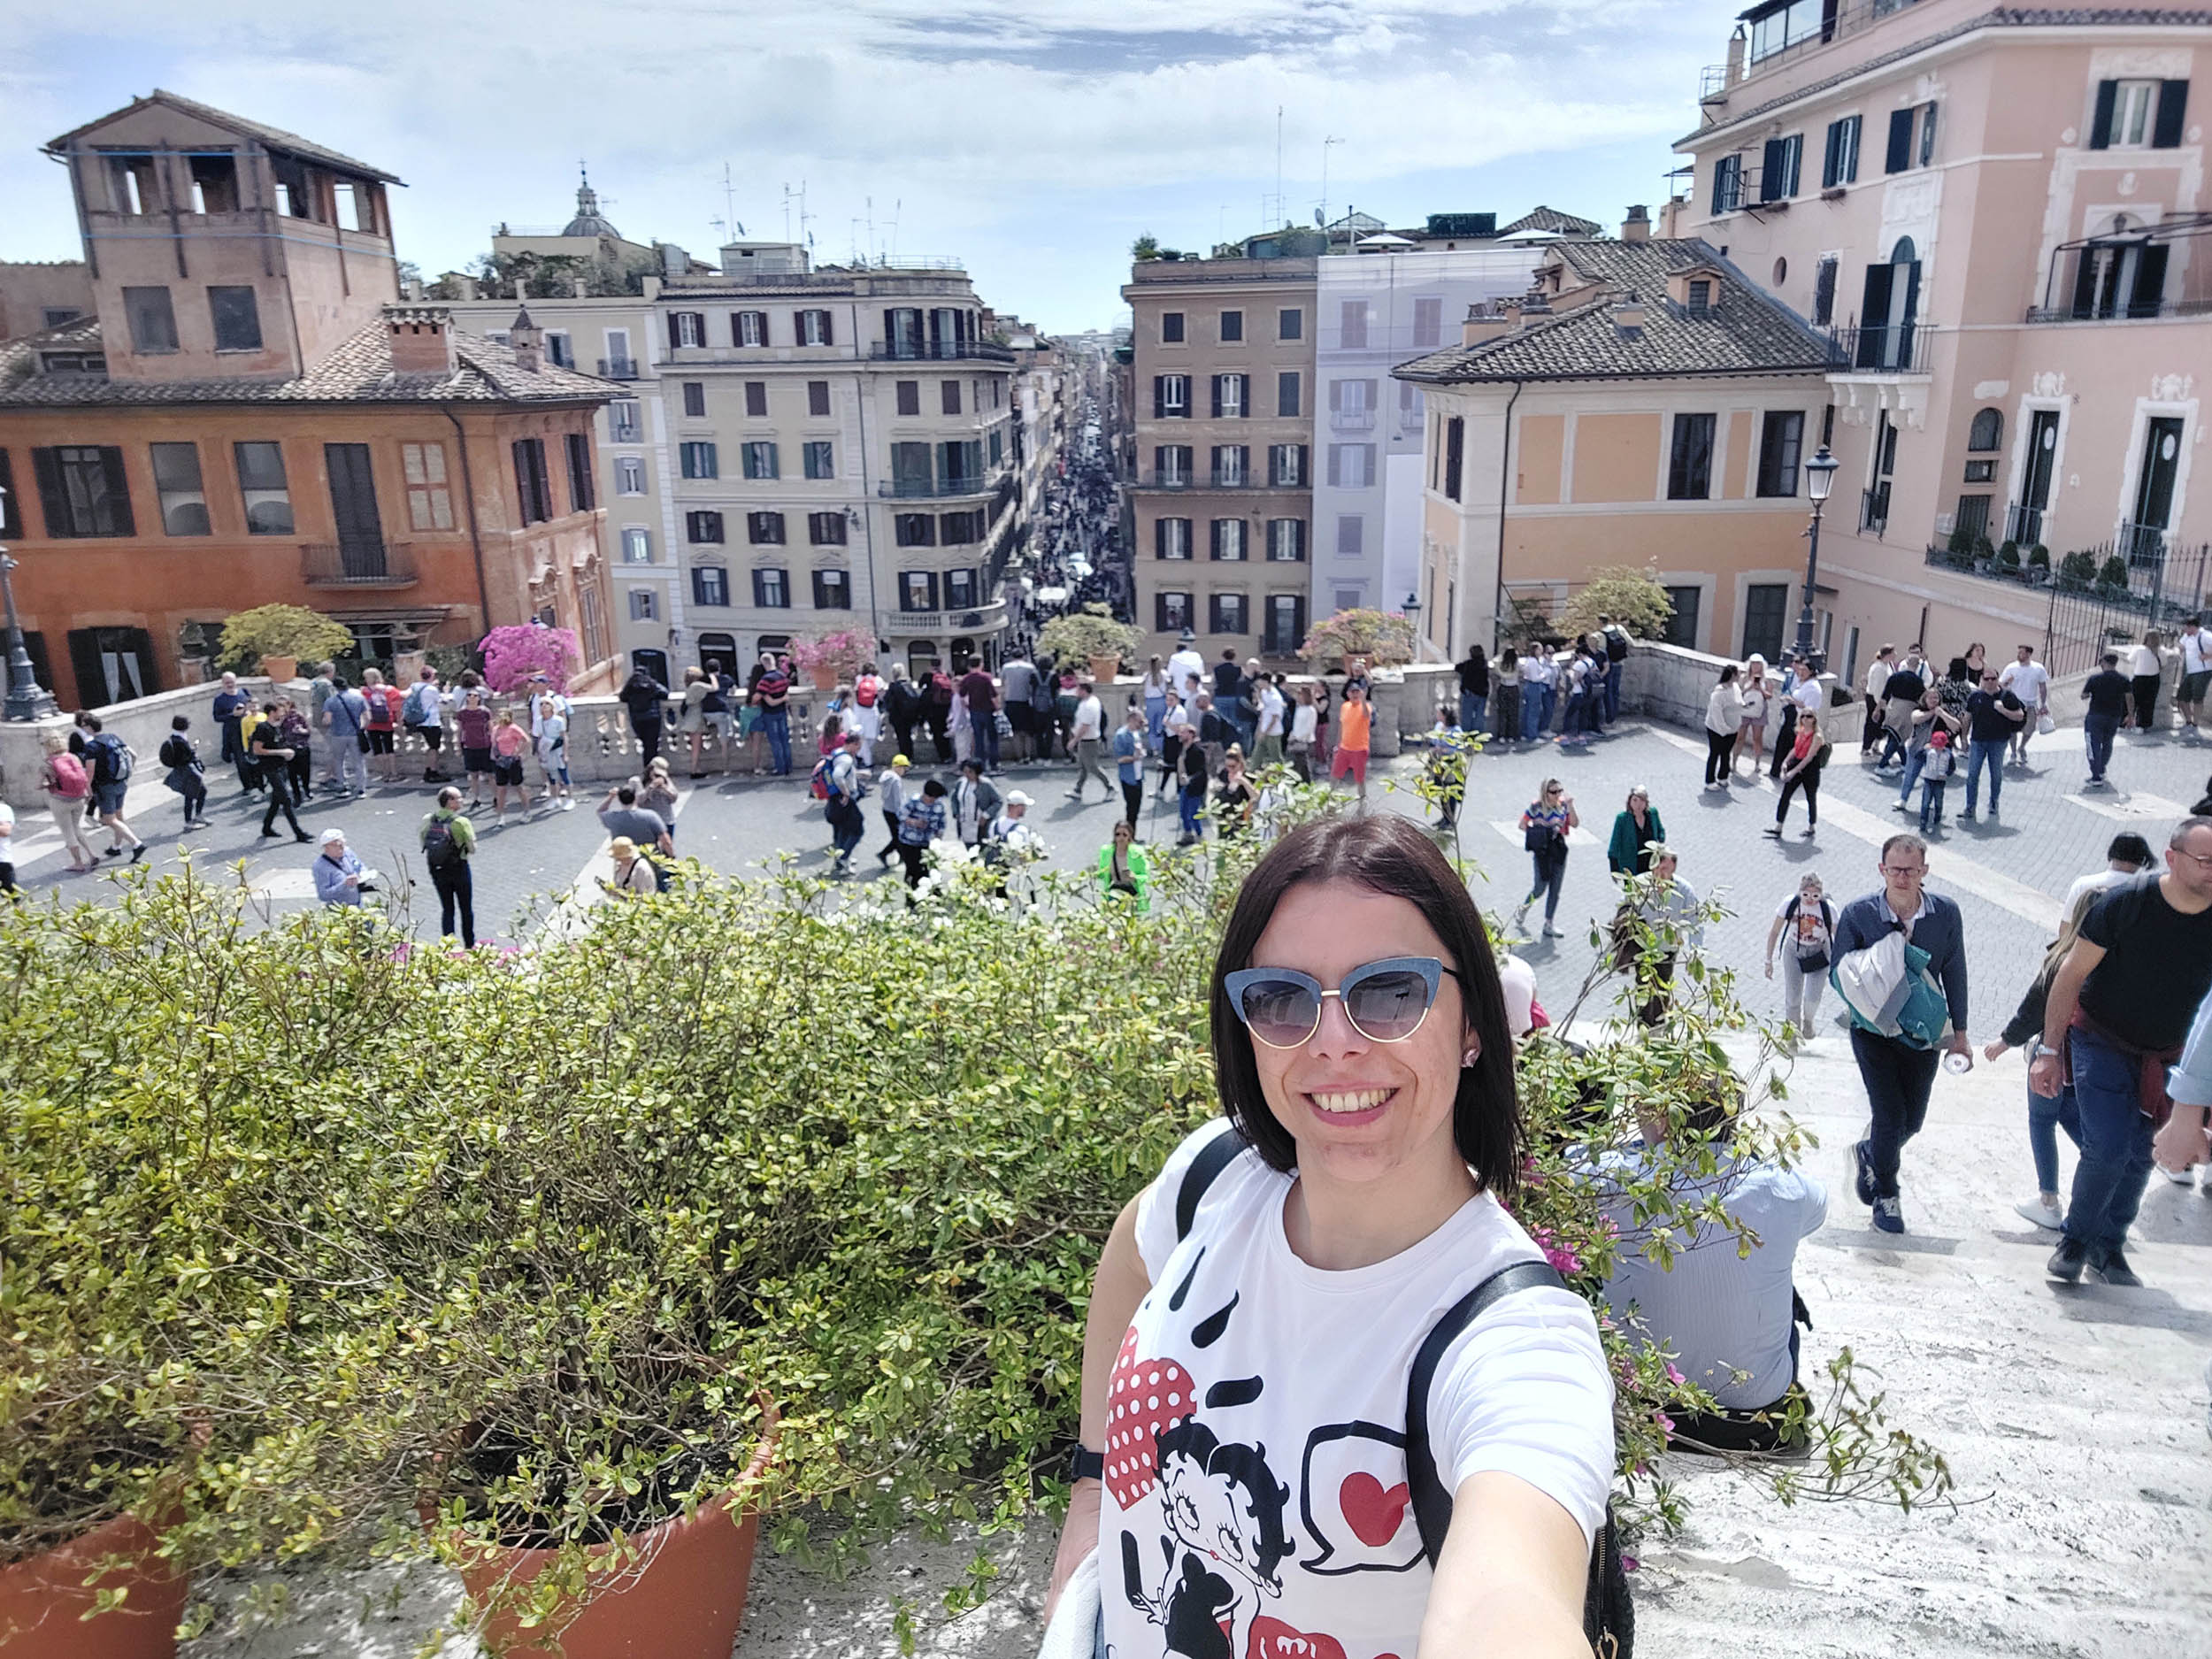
1898 1075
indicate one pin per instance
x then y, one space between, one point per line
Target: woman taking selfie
1252 1335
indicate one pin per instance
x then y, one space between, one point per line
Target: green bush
2077 570
282 631
2039 558
2112 576
1091 632
2007 560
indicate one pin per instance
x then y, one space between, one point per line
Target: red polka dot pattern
1144 1398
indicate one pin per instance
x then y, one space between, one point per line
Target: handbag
1538 839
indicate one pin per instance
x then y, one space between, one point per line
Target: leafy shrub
1385 638
2040 561
1634 598
2112 576
281 630
1079 635
2077 570
2007 560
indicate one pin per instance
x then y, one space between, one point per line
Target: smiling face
1361 1111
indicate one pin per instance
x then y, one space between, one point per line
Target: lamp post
1413 615
26 699
1820 478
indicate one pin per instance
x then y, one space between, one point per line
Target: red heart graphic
1143 1397
1271 1639
1374 1515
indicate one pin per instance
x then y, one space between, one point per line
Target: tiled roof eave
1504 377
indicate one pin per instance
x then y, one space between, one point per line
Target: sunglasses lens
1388 1007
1281 1012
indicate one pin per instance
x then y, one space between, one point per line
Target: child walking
1935 772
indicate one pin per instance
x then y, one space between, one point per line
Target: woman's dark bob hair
1392 856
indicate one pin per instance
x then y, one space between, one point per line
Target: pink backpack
70 781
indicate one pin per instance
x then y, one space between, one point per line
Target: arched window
1903 253
1988 431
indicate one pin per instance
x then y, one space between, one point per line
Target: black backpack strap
1214 1156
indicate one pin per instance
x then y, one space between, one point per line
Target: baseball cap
333 835
901 760
1015 797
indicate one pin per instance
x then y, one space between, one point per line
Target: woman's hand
1991 1051
1769 967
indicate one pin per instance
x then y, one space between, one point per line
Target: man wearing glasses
2118 1012
1993 718
1898 1075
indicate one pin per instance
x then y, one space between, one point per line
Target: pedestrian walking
1637 829
2127 856
1803 938
1354 730
975 802
1089 730
921 822
1304 721
67 786
1936 767
2196 672
1274 713
892 802
980 693
340 878
1129 753
1925 723
345 720
1751 736
1505 718
1877 673
1803 690
320 689
846 786
633 874
2146 667
624 812
2047 1114
938 692
1808 754
383 702
273 754
1155 693
1545 826
111 763
2121 1007
1902 695
185 774
1196 778
2106 693
643 698
231 702
1899 1070
1666 907
1724 719
2030 681
449 842
299 735
1994 717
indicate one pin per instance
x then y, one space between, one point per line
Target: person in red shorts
1354 723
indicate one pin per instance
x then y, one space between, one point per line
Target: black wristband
1086 1464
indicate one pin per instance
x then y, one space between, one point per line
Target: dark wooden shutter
118 493
1159 397
1217 396
1825 292
1305 464
673 340
1832 158
1214 529
2173 103
2150 281
52 499
2100 125
2086 282
11 507
1874 313
1899 156
1773 161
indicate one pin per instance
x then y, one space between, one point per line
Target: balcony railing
1248 480
1879 348
1352 419
939 352
2125 311
618 369
358 565
976 619
2023 525
934 488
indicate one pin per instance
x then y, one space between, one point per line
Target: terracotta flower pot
43 1600
683 1598
824 675
281 670
1104 669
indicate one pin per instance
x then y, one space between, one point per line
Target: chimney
1628 316
1671 217
414 290
526 340
651 288
1488 320
422 340
580 285
1637 225
1735 56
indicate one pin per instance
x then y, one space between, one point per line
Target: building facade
1221 495
2000 216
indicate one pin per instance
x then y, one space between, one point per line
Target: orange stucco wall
1543 440
1617 456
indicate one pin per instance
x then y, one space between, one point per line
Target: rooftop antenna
872 227
896 205
729 198
1324 179
1265 218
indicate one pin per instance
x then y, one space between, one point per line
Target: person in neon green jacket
1125 868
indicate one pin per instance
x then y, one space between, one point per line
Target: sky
1032 142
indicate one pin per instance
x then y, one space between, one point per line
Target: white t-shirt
1271 712
1089 718
2027 681
1256 1473
2143 661
1304 721
1811 931
1188 670
2196 652
1877 672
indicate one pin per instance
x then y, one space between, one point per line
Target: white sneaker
2179 1178
1554 933
2043 1215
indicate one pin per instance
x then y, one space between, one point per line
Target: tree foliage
1385 638
1631 598
1079 635
281 630
513 654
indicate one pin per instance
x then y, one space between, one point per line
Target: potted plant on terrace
274 639
1092 634
1385 638
2040 565
513 656
834 659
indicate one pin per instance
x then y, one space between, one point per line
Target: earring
1469 1058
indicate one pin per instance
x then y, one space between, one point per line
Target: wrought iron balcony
358 565
934 489
939 352
1879 348
618 369
1352 419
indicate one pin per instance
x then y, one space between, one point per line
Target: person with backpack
634 874
937 691
842 787
1617 644
422 714
345 719
111 762
383 702
67 786
448 841
185 774
921 821
1328 1246
643 696
1805 930
273 754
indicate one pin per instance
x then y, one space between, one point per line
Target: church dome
587 222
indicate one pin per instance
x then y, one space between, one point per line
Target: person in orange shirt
1354 722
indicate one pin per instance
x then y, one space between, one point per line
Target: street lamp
1413 615
27 700
1820 478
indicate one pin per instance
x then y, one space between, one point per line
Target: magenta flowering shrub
513 654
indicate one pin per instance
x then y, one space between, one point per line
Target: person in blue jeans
1474 689
1936 767
2047 1115
2107 694
2120 1007
1993 718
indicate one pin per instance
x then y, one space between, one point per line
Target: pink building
1999 216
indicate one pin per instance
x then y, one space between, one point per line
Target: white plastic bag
2044 726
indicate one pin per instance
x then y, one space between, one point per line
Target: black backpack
441 848
1609 1611
1616 646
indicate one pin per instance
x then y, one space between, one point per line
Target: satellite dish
1317 216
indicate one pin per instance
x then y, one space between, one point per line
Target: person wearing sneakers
2047 1114
1899 1072
1545 826
891 798
2121 1005
2183 1143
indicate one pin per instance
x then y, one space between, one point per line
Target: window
1986 436
237 319
1681 627
832 588
1927 134
1352 325
1874 508
765 529
696 399
698 459
356 209
643 605
1170 397
1411 406
429 496
815 329
998 446
629 475
619 364
749 328
771 590
917 590
960 529
1766 607
1903 149
1352 465
1824 291
1286 541
1350 598
1171 538
1231 396
1428 324
1701 293
1351 535
1286 629
261 483
901 331
1171 464
1727 184
533 485
1290 323
153 324
688 328
703 526
1454 453
911 470
1690 466
1225 613
1232 327
758 458
637 545
214 184
1781 436
1972 518
960 590
54 316
1287 466
1287 391
2133 114
960 464
817 458
709 585
1228 539
131 185
826 529
1170 612
177 489
915 529
558 351
583 493
910 398
817 398
948 397
1170 328
1840 163
2123 277
757 399
1778 167
1232 465
625 421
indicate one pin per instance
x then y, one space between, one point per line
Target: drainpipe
476 536
1505 472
